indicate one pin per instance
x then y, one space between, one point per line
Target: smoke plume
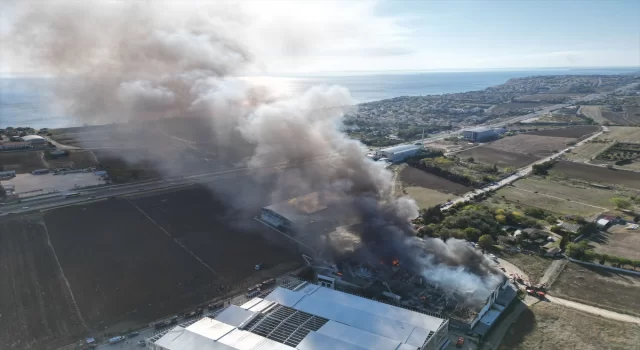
173 74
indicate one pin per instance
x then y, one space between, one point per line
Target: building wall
400 155
274 219
483 135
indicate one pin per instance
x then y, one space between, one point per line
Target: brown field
617 241
615 118
632 114
426 197
539 146
594 113
36 310
571 132
555 204
488 155
21 162
599 287
412 177
552 326
134 270
506 107
596 174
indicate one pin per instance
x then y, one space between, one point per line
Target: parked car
460 342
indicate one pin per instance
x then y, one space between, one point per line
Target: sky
305 37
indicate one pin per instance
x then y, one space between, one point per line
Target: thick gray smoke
138 63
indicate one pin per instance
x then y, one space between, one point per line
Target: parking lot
29 185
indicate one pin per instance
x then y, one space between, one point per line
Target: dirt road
553 271
594 310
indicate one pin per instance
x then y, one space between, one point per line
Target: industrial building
482 134
297 212
310 317
6 146
399 153
34 140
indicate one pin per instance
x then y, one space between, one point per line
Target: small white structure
602 223
34 140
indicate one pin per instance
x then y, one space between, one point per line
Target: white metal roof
318 341
29 138
243 340
368 316
249 304
235 315
399 148
358 337
210 328
182 339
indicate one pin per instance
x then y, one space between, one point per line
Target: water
25 102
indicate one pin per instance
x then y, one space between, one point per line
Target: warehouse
310 317
482 134
34 140
399 153
297 212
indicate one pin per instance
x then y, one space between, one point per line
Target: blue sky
311 36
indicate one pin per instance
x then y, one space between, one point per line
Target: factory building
296 212
310 317
399 153
7 146
34 140
482 134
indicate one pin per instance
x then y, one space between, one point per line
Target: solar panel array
285 325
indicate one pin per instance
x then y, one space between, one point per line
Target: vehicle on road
117 339
133 334
259 266
460 342
142 343
25 208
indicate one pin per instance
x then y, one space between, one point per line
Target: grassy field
533 265
622 134
565 202
617 241
426 197
596 174
586 152
599 287
552 326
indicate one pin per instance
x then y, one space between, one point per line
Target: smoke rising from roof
142 62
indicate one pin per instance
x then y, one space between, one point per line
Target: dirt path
511 268
594 310
553 271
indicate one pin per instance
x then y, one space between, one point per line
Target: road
522 172
105 192
594 310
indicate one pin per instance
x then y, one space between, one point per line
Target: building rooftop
309 318
30 138
400 148
480 129
301 209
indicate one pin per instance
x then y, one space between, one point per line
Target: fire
395 262
339 273
423 297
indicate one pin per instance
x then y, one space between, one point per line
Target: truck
117 339
40 171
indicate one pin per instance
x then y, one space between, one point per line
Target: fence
617 269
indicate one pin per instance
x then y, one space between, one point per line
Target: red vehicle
460 342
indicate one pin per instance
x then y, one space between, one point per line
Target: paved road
104 192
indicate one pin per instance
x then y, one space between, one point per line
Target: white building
5 146
399 153
34 140
310 317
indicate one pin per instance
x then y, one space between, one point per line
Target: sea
27 101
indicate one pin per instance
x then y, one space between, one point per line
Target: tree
472 234
486 242
535 212
501 219
3 192
621 203
471 160
551 219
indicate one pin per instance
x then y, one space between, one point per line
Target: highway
104 192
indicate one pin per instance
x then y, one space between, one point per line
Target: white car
25 208
493 256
